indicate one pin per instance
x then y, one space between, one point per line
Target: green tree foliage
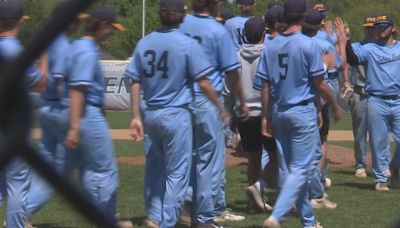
121 45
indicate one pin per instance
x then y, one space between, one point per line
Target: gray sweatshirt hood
250 52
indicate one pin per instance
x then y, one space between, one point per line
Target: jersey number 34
155 63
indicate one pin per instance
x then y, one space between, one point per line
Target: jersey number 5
284 66
152 66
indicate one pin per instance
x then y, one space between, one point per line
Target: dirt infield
338 156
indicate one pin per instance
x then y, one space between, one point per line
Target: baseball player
17 173
274 23
382 85
359 101
331 59
51 118
235 25
156 69
291 70
88 133
209 148
249 128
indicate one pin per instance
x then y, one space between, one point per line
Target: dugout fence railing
16 114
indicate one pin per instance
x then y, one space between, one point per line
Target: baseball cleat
228 216
323 202
381 187
360 173
271 223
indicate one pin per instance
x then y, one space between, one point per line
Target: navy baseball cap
172 5
295 6
254 26
369 21
245 2
274 15
383 19
12 9
59 8
274 3
107 14
225 14
313 17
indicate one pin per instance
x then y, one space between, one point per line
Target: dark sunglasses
383 25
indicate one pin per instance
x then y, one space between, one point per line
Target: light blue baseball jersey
10 48
217 44
83 69
325 36
382 76
288 64
235 27
166 62
257 85
57 57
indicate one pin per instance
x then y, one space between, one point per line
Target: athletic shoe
323 203
388 173
381 187
271 223
317 225
228 216
328 182
148 223
124 224
185 218
209 225
257 199
360 173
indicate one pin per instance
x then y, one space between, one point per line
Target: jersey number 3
284 65
154 64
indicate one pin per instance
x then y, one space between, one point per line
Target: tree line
130 14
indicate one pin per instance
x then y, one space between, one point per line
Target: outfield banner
117 92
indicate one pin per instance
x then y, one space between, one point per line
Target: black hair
171 18
7 24
293 18
310 30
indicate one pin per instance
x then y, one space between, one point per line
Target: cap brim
118 27
368 25
219 19
83 16
383 22
25 17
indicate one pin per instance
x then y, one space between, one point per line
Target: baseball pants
168 148
383 116
296 134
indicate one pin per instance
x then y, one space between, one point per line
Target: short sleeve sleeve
83 70
360 52
58 67
262 70
227 57
32 76
133 69
316 66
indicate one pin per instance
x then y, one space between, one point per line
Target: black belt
304 103
386 97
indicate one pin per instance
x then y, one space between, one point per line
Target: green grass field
358 204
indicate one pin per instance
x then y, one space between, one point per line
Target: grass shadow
362 186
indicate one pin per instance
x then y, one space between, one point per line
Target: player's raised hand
136 129
342 30
73 139
266 128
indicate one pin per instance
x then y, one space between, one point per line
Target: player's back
164 61
291 60
235 27
216 43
